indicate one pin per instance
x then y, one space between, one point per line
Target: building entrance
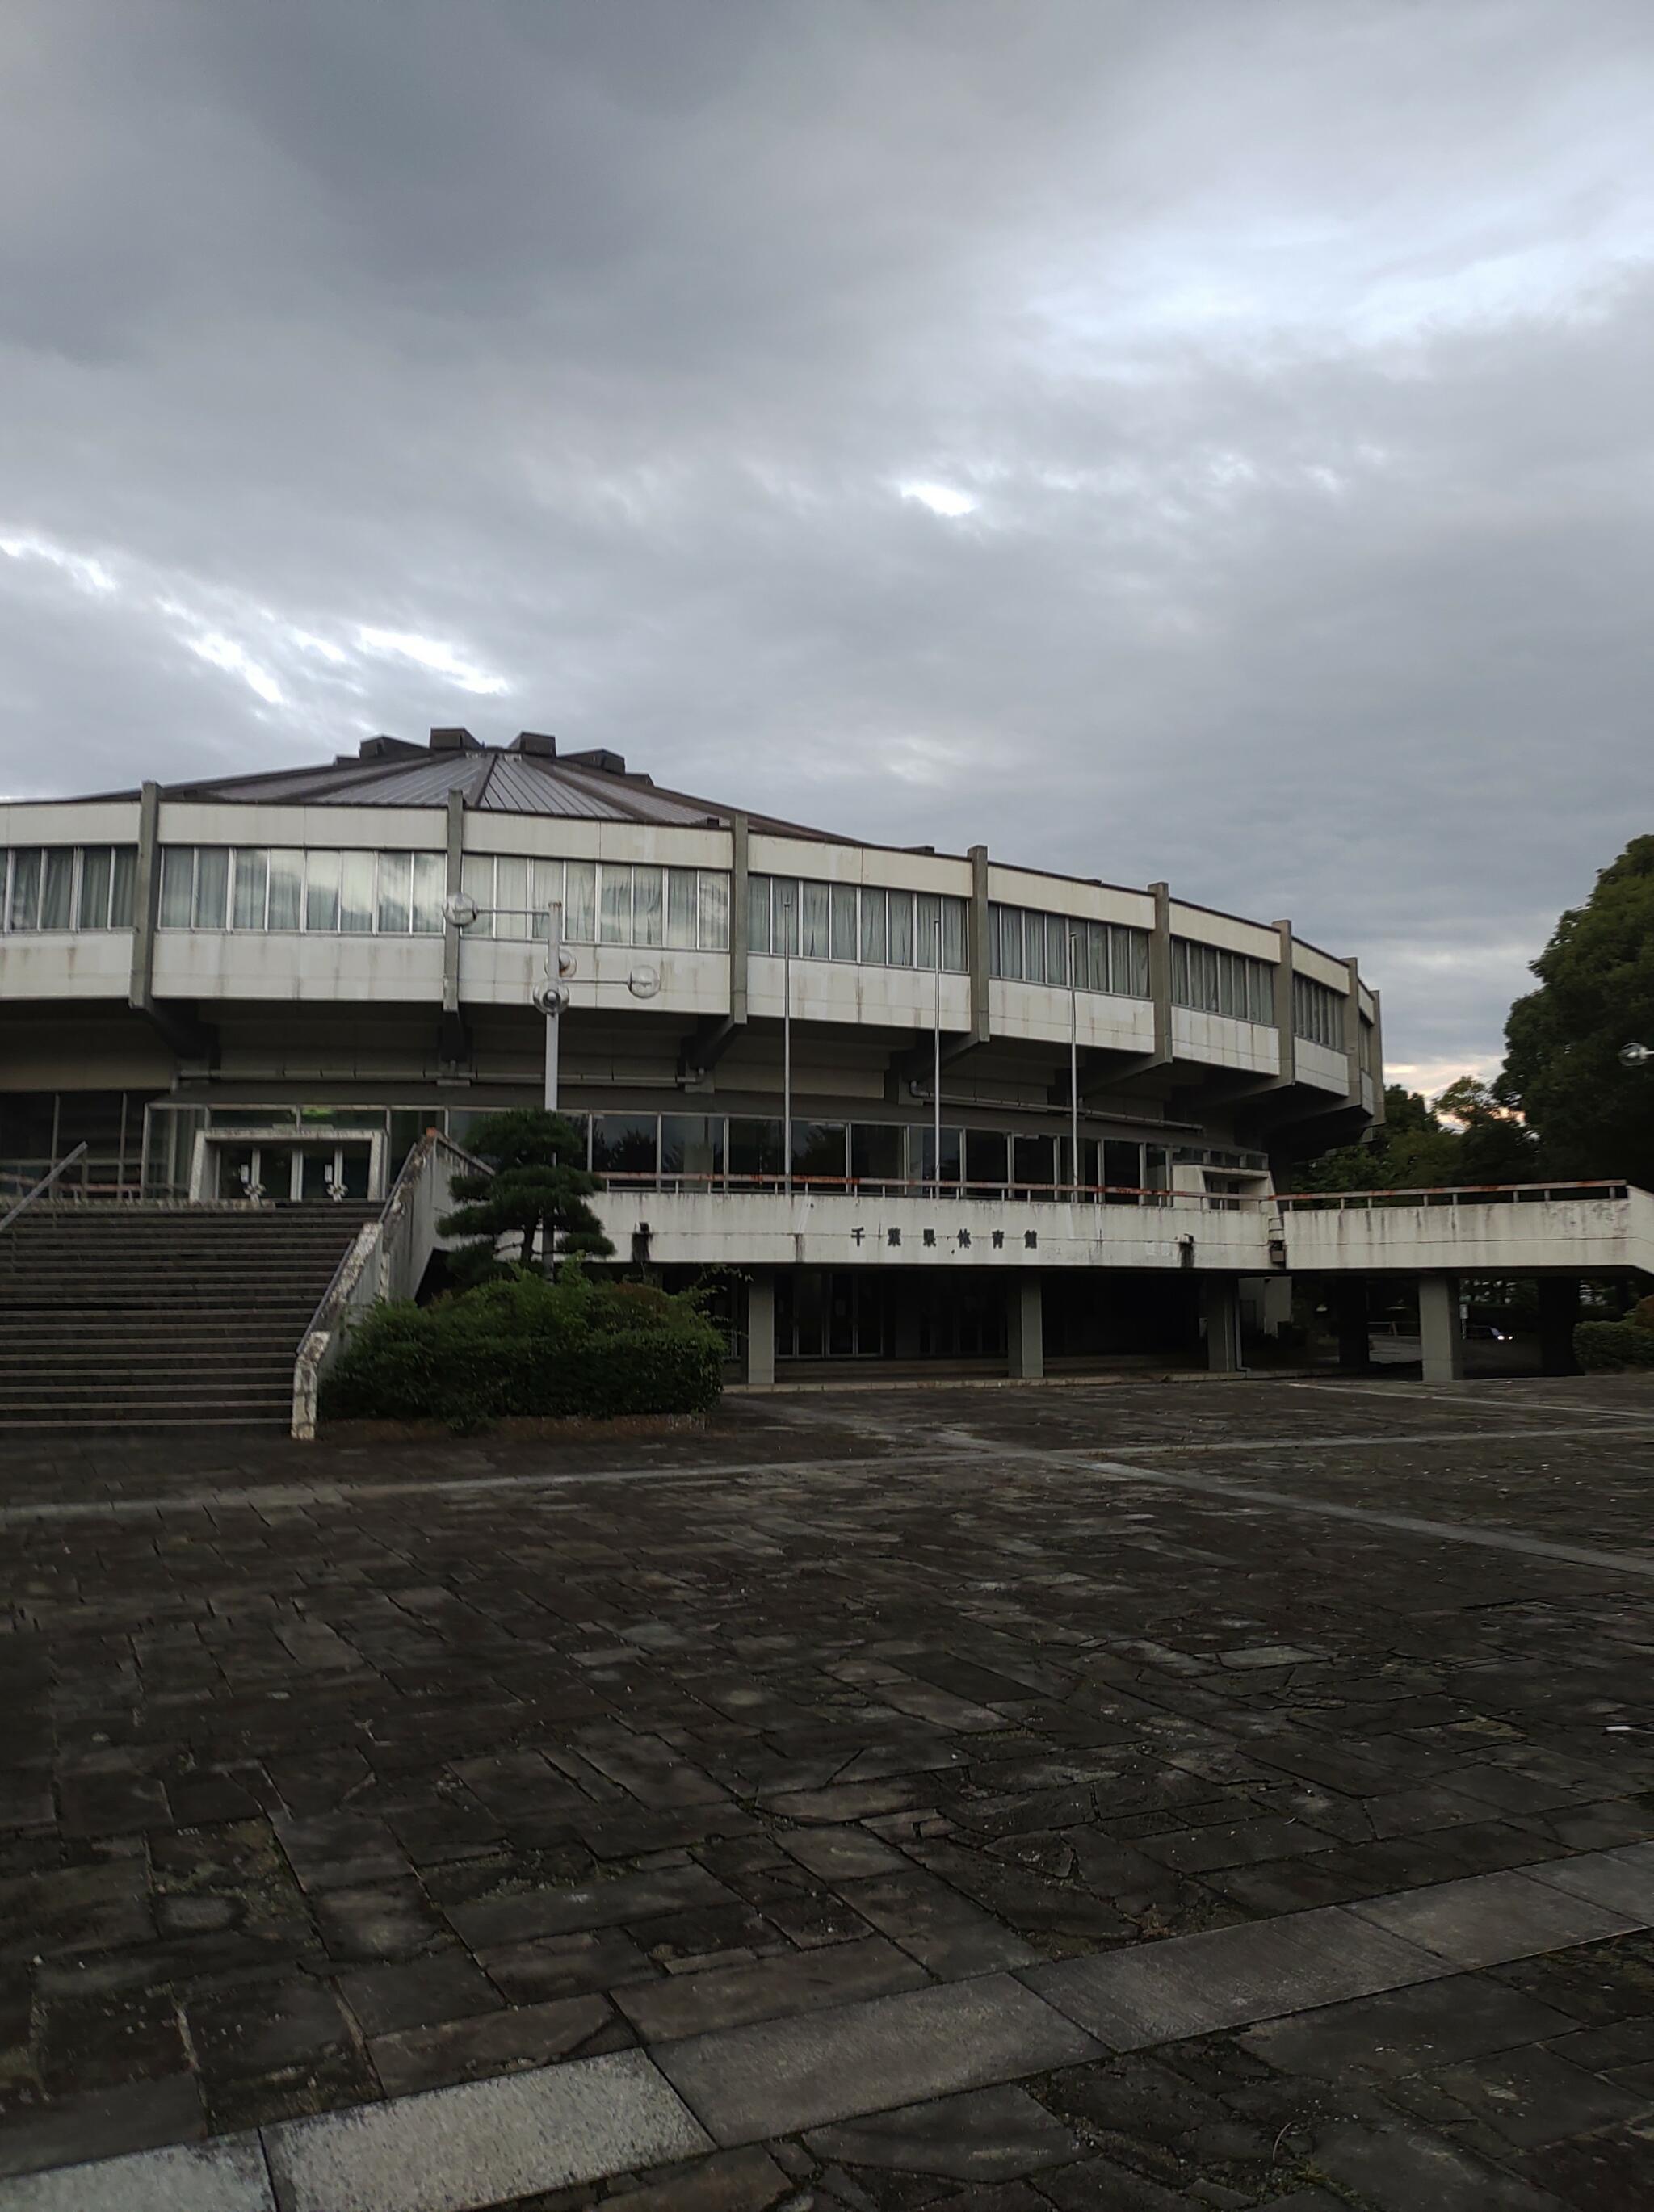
319 1170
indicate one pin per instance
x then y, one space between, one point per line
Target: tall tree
538 1191
1596 992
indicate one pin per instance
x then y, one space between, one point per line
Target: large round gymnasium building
923 1106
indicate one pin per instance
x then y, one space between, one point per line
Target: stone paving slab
748 2084
455 2150
328 1775
226 2176
1491 1917
1163 1991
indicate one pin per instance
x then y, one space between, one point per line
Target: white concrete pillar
1440 1330
1220 1311
761 1333
1025 1330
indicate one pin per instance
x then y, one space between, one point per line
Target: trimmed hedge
1601 1345
526 1346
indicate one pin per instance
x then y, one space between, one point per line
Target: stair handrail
43 1186
321 1340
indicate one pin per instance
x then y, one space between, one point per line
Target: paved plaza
1132 1797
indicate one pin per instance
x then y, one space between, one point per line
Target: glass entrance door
332 1172
284 1174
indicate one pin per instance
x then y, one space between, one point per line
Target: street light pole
555 998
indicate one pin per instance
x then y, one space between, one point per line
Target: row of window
716 1146
216 887
284 888
861 922
1318 1013
67 886
604 901
1213 981
1026 947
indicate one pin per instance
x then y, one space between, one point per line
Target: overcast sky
1180 438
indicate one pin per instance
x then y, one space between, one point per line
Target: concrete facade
250 987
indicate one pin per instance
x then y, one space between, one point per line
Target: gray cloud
367 366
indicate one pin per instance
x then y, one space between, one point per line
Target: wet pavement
1100 1794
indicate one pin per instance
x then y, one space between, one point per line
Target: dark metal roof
495 780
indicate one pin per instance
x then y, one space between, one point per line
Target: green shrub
526 1346
1600 1344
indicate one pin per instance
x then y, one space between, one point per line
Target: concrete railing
1503 1228
1512 1229
388 1260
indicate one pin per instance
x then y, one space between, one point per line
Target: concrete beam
976 947
759 1372
1025 1329
1220 1312
1558 1310
1440 1330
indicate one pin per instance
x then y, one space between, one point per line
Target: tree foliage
1465 1136
521 1345
1562 1071
538 1192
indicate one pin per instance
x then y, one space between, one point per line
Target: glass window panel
58 888
921 1155
1057 927
624 1144
873 904
844 921
692 1145
876 1151
1011 944
286 889
357 900
681 928
784 915
477 881
815 933
579 901
430 871
1033 947
122 881
755 1147
1034 1164
1123 1165
953 935
1097 956
987 1158
928 928
93 911
818 1150
251 887
1180 970
760 893
177 885
321 891
544 884
395 893
1134 961
511 896
648 906
615 916
901 909
714 911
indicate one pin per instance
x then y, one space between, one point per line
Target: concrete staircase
148 1317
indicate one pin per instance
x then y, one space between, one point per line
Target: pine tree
538 1193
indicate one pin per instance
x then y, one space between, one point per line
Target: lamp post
550 993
